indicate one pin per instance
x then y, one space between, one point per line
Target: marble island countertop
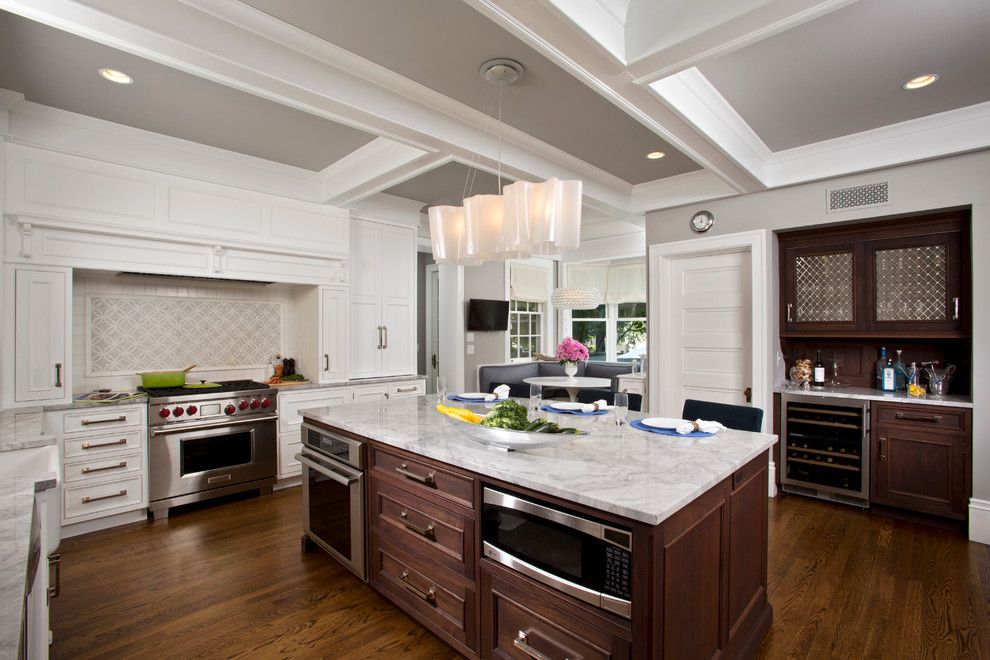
22 428
643 476
870 394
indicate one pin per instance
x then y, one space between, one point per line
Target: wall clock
702 221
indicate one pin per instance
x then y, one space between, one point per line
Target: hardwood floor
230 581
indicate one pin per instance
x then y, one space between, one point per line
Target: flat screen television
486 315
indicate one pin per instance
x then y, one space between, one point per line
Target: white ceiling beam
374 167
679 190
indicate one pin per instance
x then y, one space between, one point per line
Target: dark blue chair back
741 418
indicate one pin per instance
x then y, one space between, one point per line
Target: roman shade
618 283
529 282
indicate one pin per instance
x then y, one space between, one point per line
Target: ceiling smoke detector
501 71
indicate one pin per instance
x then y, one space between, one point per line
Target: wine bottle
818 372
881 363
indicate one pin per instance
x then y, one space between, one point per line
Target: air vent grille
854 197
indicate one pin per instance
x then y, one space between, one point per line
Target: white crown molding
603 28
603 249
679 190
389 208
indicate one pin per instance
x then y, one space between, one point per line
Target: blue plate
547 407
454 397
637 424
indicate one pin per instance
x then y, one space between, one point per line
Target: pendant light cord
499 153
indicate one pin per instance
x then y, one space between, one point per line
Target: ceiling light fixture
522 220
920 81
115 76
654 155
576 297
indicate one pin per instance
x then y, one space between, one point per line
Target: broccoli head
507 414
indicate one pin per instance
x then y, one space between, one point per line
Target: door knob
748 393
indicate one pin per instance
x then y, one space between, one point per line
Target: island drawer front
425 476
105 444
516 623
443 603
101 420
921 417
86 500
425 530
97 468
406 388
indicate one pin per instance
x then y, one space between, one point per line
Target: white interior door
432 327
709 326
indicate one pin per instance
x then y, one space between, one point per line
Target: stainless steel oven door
333 509
193 460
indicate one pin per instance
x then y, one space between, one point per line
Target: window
525 329
613 332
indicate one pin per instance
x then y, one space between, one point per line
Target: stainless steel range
204 443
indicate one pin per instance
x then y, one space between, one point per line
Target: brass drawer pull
429 596
521 642
88 470
934 419
122 441
88 499
428 532
87 422
429 480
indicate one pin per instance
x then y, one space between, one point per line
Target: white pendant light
525 219
576 297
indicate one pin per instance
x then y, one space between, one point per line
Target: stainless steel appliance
333 495
585 558
204 443
825 450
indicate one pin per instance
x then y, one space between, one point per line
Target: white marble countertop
289 389
870 394
21 428
634 474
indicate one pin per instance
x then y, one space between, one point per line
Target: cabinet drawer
98 445
100 420
94 500
406 388
101 468
922 417
425 476
287 463
289 405
445 605
424 529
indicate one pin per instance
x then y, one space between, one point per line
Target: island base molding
699 577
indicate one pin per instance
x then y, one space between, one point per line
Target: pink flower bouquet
571 350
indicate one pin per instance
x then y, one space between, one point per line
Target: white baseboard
98 524
979 520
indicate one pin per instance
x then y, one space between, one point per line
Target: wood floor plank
230 581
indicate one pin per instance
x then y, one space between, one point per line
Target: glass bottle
900 380
881 363
889 380
818 371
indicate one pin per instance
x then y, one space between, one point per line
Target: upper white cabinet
42 313
333 335
383 300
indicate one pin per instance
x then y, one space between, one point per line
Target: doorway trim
432 332
758 243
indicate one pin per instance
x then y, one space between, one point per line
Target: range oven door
584 558
211 456
333 508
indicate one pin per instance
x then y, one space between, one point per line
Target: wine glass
621 408
535 398
441 388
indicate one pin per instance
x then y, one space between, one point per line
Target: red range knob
266 403
243 405
229 409
255 404
191 410
178 412
164 412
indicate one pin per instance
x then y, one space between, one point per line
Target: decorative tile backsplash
126 334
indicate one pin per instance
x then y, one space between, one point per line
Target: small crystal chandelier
576 297
525 219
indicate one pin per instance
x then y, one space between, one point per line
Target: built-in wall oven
333 495
578 555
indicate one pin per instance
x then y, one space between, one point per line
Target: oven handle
327 470
215 425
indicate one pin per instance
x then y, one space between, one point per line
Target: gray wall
423 259
484 281
948 182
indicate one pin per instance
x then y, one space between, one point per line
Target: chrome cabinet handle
428 480
521 642
87 499
58 373
955 309
109 420
790 306
428 532
406 389
88 470
326 362
381 344
883 454
55 561
122 441
933 419
429 596
385 327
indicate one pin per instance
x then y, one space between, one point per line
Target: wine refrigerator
825 449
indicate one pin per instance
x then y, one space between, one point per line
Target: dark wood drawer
922 417
424 529
425 476
441 602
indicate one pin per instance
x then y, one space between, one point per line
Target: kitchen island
694 511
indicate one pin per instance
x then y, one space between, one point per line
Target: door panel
399 356
333 341
40 335
366 259
365 354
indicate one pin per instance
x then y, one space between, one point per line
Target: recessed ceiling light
653 155
921 81
115 76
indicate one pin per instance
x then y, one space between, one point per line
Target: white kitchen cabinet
387 390
635 384
383 300
406 388
333 334
290 422
42 312
376 392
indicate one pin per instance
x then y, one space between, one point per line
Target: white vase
570 368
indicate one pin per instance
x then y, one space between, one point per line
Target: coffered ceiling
447 184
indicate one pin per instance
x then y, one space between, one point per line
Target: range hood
190 278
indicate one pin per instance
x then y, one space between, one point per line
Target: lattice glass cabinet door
822 288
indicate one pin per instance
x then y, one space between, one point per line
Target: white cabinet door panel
40 335
399 356
333 335
365 352
370 392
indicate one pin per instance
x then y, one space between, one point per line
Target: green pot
163 378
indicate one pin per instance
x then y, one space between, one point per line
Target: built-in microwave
586 558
